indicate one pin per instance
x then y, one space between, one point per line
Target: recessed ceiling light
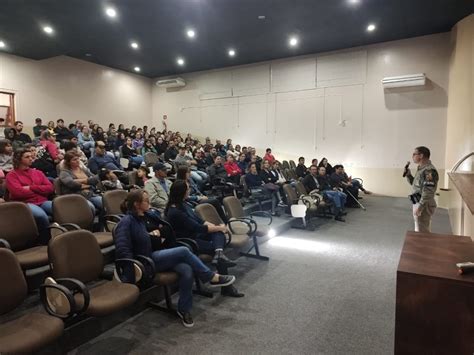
48 29
111 12
134 45
137 69
293 41
371 27
180 61
88 55
2 44
354 2
231 53
190 33
261 17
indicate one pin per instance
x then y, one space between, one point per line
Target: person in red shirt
32 187
48 141
269 156
232 169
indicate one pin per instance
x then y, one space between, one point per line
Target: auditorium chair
18 232
293 199
77 262
73 212
313 198
111 201
33 330
236 238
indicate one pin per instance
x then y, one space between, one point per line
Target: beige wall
64 87
460 117
330 105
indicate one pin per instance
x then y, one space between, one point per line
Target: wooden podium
434 304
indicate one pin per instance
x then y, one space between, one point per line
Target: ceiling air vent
171 83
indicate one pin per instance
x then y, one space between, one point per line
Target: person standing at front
425 183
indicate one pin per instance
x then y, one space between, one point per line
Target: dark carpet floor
331 291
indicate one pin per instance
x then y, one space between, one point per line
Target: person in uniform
424 185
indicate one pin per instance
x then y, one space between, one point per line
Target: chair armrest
240 221
120 263
70 226
76 286
148 267
58 228
262 214
111 219
47 303
5 244
189 242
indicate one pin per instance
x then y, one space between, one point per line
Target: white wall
330 105
68 88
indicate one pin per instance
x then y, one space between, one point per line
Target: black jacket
301 170
267 177
310 184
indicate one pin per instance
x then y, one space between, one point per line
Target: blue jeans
199 177
88 146
337 197
185 263
136 161
209 242
41 213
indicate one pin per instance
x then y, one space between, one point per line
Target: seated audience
77 179
132 239
356 183
338 179
330 193
20 136
217 170
242 163
327 166
161 145
130 153
200 177
310 181
48 142
171 152
62 132
141 177
270 181
31 186
38 127
269 156
138 142
256 184
6 155
43 161
301 169
211 156
86 141
110 181
158 187
232 169
51 127
148 147
102 160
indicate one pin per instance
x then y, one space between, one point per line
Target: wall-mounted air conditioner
404 81
171 83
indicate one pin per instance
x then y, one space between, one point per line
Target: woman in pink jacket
32 187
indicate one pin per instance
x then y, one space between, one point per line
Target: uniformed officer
424 185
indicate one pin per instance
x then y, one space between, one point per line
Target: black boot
339 215
231 291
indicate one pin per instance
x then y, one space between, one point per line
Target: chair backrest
132 177
150 158
208 213
245 187
17 225
77 255
292 164
72 208
57 187
233 207
290 194
300 189
14 289
285 165
112 200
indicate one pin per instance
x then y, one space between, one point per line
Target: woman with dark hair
48 142
148 147
6 155
32 187
129 152
120 141
77 179
195 195
329 169
133 239
187 224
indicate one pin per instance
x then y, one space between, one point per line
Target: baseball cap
159 166
181 146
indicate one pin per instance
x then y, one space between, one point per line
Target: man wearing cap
39 127
103 160
158 188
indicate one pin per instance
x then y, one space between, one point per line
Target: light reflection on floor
313 246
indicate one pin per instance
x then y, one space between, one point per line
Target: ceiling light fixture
134 45
293 41
48 29
2 44
111 12
137 69
231 53
191 33
371 27
180 61
354 2
261 17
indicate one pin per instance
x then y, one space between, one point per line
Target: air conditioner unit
171 83
404 81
